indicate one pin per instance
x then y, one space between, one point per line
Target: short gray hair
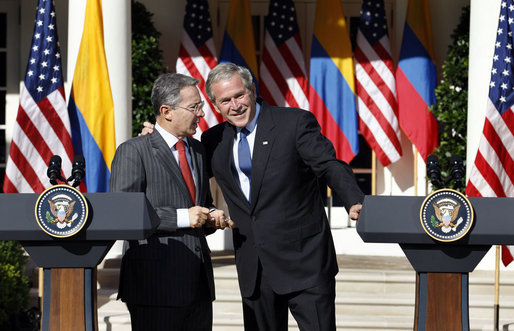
166 90
224 71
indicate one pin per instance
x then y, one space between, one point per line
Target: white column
117 39
483 25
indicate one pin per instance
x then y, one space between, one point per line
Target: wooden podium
69 297
442 267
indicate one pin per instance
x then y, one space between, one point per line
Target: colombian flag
91 107
416 79
238 43
332 96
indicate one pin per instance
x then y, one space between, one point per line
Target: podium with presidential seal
444 236
68 236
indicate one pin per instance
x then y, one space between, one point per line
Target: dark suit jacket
169 268
285 226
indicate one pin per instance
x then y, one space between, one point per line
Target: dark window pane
3 69
256 24
2 173
354 27
3 30
2 146
363 159
2 107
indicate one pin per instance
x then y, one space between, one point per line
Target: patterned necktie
244 156
186 171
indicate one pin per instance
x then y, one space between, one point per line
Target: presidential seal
61 211
446 215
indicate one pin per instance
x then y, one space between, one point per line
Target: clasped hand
198 216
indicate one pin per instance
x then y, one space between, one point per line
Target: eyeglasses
196 109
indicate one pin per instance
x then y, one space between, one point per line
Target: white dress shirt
244 181
171 140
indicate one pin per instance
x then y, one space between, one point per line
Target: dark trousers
312 308
195 317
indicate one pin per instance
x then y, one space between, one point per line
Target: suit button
254 218
197 248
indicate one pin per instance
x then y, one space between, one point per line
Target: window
3 92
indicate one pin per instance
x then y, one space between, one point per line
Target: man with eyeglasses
167 280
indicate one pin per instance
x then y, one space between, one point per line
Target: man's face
184 119
235 103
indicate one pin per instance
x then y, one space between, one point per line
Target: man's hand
218 219
147 129
198 216
355 211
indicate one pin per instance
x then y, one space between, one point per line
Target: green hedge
14 288
146 65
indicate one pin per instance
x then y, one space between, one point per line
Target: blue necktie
244 156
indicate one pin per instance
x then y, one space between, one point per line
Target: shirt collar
251 126
169 138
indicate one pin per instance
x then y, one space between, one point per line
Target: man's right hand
198 216
147 129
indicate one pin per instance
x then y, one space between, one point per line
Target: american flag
493 172
283 79
42 127
375 84
197 55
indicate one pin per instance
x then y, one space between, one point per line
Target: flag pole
329 205
373 173
497 290
415 171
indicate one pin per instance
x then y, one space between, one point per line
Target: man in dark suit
267 161
167 280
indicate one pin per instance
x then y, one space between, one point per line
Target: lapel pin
265 142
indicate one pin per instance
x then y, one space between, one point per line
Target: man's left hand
355 211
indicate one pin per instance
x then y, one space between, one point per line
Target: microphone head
433 170
78 170
54 169
457 170
55 160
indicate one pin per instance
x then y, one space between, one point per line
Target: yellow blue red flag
332 92
91 107
238 41
416 79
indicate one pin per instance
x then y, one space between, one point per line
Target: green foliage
450 108
146 65
14 288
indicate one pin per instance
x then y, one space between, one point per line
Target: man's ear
165 112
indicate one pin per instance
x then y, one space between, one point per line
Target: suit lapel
163 155
264 139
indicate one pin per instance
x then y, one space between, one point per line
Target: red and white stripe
283 80
493 172
197 62
41 130
377 103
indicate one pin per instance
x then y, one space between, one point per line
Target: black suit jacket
285 226
168 269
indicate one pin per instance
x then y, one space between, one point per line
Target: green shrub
14 289
146 65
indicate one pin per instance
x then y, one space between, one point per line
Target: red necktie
186 171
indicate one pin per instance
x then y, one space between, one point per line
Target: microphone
54 169
433 170
457 168
78 170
